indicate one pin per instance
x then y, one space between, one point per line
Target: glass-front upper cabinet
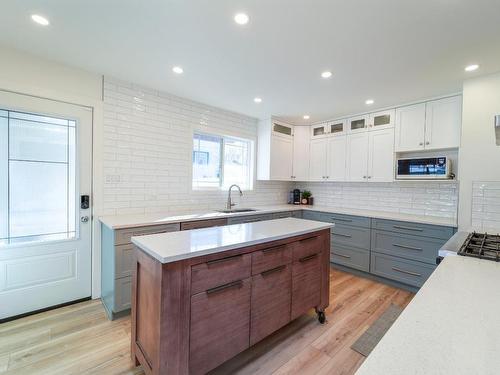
337 127
382 119
358 124
282 129
319 130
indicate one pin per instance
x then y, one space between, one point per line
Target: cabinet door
221 316
382 120
317 163
357 157
306 284
381 156
319 131
410 128
337 148
281 158
443 123
271 301
358 124
300 167
337 127
282 130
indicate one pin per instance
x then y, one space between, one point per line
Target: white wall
416 198
27 74
148 140
479 154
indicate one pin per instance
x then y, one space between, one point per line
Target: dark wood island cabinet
191 315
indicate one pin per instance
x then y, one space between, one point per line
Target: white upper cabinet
319 130
410 128
443 121
275 151
328 129
382 120
358 124
318 166
282 130
429 126
336 155
281 158
381 156
357 157
300 165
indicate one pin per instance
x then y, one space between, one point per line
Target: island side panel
325 270
175 318
146 310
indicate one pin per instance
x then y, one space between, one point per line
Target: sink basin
236 210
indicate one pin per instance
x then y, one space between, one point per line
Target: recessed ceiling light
306 117
257 100
471 68
326 74
177 70
241 19
40 19
369 101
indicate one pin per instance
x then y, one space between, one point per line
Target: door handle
407 247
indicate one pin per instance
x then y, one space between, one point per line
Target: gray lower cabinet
117 262
249 219
282 215
350 257
399 269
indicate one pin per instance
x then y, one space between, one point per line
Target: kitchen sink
236 210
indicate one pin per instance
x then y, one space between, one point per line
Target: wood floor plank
78 339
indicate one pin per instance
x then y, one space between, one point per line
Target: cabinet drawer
282 215
407 246
271 299
350 236
307 246
297 214
306 284
350 257
124 260
203 224
122 236
219 272
220 326
402 270
249 219
424 230
123 293
269 258
358 221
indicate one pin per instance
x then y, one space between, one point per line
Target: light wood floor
78 339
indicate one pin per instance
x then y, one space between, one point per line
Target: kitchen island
199 297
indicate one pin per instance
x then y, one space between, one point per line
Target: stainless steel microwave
424 168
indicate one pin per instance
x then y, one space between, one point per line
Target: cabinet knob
364 176
427 143
421 144
369 177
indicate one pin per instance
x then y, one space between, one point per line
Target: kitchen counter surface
450 326
131 221
174 246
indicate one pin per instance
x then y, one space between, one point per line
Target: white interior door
45 234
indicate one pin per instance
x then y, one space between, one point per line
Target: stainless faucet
230 203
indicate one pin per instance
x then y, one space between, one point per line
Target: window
37 184
219 162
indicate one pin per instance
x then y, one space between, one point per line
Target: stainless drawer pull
234 284
305 259
408 228
275 248
407 247
407 272
273 270
237 257
342 235
309 239
340 219
342 255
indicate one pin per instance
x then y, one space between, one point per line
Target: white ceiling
393 51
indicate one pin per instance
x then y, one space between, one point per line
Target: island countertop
175 246
450 327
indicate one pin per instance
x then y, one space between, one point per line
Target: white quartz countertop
174 246
450 327
131 221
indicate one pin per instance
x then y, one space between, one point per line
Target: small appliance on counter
296 196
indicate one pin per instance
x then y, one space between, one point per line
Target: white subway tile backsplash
486 206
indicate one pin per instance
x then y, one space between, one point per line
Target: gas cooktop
481 245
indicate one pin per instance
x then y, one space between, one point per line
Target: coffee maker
296 196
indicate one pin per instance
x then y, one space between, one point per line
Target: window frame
251 160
